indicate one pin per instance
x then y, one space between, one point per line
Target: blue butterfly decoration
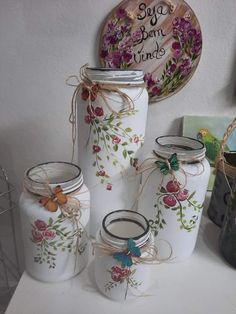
126 257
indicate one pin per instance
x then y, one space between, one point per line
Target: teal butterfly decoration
126 257
166 166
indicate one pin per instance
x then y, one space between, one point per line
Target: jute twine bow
155 163
228 169
149 252
92 90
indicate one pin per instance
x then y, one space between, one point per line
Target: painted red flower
40 225
37 236
99 111
116 140
169 200
120 274
109 187
88 119
85 93
49 234
182 195
96 149
173 186
101 173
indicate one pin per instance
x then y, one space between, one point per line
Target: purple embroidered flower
121 13
156 91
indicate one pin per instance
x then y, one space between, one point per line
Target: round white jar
56 244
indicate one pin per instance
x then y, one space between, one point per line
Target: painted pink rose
99 111
88 119
182 195
49 234
173 186
109 187
119 274
40 225
116 140
101 173
169 200
37 236
85 93
136 139
96 149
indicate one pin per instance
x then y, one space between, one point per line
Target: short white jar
56 242
114 279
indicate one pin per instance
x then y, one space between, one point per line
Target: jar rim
73 176
125 215
185 147
115 76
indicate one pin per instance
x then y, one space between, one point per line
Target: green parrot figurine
212 144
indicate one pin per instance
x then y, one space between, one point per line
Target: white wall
44 41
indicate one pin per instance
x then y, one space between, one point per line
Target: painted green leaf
124 144
128 130
115 148
50 221
163 190
124 153
107 137
130 152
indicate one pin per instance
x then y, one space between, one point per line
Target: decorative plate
163 38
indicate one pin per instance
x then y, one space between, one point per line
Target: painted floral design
174 197
51 237
119 40
120 275
109 134
186 48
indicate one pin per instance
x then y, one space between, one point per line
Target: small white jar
173 201
56 244
114 280
110 138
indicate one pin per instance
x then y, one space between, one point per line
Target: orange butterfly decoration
57 198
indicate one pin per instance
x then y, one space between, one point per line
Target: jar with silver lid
175 179
112 112
123 254
55 211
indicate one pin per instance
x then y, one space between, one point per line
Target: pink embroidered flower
99 111
173 186
96 149
182 195
109 187
37 236
120 274
116 140
40 225
101 173
49 234
136 139
169 200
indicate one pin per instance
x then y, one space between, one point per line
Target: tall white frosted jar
112 112
55 210
174 190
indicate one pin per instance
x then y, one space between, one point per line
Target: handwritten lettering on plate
161 37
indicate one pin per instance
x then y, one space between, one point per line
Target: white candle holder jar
55 210
175 180
112 112
123 254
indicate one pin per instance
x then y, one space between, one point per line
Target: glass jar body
113 279
110 137
56 247
174 201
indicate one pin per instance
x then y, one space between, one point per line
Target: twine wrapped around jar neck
91 91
